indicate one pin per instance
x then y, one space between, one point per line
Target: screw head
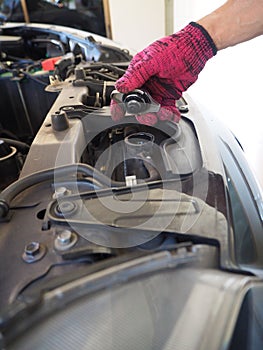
183 108
64 237
65 240
33 252
61 192
65 208
32 248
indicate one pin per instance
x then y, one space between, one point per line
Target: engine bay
79 189
116 234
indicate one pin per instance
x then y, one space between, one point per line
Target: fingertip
169 113
121 85
126 84
177 116
147 119
117 111
135 77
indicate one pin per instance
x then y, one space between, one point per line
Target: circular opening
65 208
139 139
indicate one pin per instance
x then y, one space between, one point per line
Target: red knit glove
165 69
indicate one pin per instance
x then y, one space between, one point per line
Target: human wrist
218 28
234 22
196 47
206 36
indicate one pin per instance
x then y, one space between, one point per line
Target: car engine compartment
94 208
28 56
81 193
60 148
100 219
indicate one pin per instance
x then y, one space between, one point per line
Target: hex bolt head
61 192
32 249
65 240
33 252
64 237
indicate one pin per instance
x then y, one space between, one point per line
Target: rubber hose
7 195
21 146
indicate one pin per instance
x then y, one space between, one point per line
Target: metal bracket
136 102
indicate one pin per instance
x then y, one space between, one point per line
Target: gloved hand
166 69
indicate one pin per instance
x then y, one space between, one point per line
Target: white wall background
136 23
191 10
230 86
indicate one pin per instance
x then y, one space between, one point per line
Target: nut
32 249
64 237
61 192
65 240
33 252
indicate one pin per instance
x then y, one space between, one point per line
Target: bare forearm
234 22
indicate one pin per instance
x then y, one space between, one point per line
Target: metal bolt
65 240
67 109
64 237
32 249
66 207
61 192
33 252
183 108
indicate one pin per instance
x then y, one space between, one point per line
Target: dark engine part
35 62
138 157
129 154
9 169
12 156
59 142
23 104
